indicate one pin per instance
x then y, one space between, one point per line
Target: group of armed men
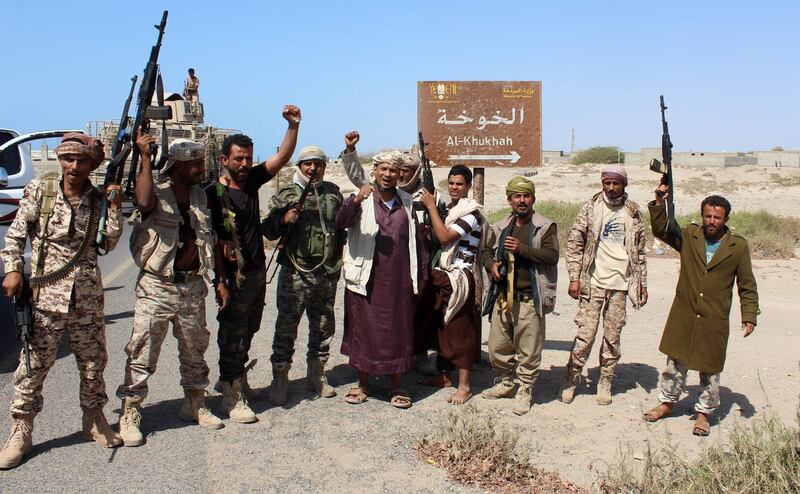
412 268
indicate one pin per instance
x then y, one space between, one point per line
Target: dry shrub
476 451
762 457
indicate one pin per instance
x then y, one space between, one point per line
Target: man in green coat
696 334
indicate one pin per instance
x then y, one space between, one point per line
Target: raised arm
274 164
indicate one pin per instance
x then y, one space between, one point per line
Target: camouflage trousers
87 341
159 303
610 305
673 379
239 322
314 295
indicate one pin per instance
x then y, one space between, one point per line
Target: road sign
481 123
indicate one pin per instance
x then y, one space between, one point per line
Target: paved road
308 445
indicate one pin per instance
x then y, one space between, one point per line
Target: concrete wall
703 159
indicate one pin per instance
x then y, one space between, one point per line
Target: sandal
701 426
400 398
356 395
662 410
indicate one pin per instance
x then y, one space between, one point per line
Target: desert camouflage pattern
673 380
159 303
65 230
582 246
87 341
608 305
313 294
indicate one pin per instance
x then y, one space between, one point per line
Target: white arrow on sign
513 157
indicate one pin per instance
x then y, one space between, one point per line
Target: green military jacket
313 242
697 327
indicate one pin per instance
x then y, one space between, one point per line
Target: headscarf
520 185
82 144
183 150
394 158
311 153
616 172
411 161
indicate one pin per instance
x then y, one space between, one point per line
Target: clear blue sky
729 70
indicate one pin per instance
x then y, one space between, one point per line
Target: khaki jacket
65 231
697 328
582 246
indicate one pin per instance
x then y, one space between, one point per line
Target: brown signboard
481 123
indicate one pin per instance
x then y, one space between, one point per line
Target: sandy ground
314 445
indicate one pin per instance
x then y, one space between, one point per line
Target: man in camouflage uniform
173 245
311 260
606 263
73 302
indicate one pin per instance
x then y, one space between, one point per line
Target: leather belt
523 297
178 276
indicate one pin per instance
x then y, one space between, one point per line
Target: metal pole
477 184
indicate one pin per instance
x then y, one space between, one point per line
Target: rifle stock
499 286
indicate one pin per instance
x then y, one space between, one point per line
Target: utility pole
572 148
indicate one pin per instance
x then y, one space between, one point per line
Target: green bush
599 154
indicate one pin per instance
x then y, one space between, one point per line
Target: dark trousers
239 322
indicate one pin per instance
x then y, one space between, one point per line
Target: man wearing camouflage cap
173 245
311 260
607 264
60 215
524 247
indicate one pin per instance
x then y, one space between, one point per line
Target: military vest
154 240
314 237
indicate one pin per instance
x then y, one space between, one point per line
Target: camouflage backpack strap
47 204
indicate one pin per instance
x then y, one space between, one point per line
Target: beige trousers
517 339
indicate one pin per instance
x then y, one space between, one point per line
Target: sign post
481 123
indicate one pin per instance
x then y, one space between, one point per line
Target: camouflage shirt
65 230
315 235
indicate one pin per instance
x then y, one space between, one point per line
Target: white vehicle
16 171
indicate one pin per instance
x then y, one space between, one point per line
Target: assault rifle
501 256
151 84
23 320
664 167
297 206
427 183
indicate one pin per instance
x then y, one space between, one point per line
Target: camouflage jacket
315 235
582 246
65 231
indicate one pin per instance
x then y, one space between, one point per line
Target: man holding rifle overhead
235 211
173 245
303 217
60 215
